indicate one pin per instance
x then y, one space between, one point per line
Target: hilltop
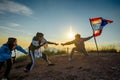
106 66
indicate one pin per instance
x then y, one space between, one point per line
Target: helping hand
56 44
62 44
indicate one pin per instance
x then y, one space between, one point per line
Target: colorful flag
98 24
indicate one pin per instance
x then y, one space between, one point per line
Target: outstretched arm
19 48
44 41
52 43
67 43
85 39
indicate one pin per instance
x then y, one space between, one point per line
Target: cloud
14 24
4 28
14 7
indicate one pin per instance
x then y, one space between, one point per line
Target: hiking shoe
51 64
26 70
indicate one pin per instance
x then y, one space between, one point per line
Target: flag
98 24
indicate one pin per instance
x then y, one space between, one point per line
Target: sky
56 18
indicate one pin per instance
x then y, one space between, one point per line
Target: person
5 55
79 45
34 50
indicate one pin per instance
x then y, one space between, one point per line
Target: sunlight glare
71 34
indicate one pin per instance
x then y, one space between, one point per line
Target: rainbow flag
98 24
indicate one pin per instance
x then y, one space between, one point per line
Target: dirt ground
105 66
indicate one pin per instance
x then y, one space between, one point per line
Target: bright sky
55 18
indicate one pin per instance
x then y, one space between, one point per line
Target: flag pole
94 38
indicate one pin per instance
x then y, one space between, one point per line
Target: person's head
12 43
77 36
39 35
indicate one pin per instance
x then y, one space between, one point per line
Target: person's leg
71 54
45 57
13 59
1 64
84 51
8 68
30 66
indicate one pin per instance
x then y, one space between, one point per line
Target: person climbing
79 45
34 50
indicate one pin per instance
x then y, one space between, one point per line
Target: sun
70 33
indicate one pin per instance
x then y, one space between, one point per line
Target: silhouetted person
79 45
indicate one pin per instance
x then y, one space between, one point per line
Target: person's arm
68 43
19 48
44 41
52 43
85 39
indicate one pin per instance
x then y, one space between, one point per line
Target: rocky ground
105 66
